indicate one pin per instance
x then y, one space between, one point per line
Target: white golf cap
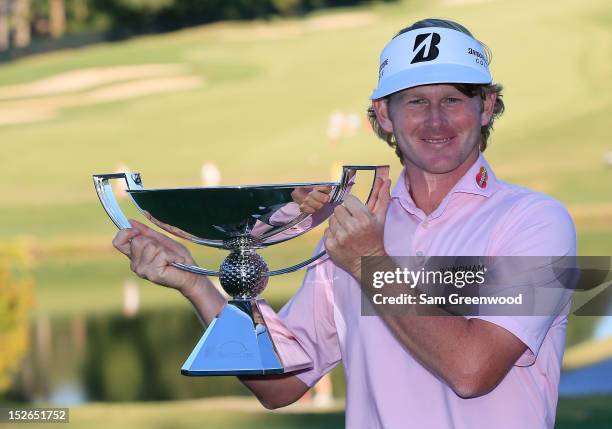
430 55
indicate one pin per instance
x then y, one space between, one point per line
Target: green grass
263 112
197 414
588 413
261 117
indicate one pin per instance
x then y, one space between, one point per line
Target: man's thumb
383 200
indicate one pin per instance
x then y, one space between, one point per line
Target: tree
4 25
57 17
22 23
16 298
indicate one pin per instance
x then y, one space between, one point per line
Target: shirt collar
478 180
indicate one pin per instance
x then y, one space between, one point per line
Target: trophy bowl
246 337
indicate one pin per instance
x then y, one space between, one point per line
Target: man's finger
138 245
383 200
319 196
305 208
326 189
378 182
121 242
150 252
355 207
144 229
333 224
329 239
299 195
163 261
342 215
148 232
326 235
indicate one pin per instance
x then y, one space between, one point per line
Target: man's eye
416 101
452 100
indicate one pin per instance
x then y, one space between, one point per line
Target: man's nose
435 116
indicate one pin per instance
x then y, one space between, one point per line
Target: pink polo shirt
386 387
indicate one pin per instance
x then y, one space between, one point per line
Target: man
435 103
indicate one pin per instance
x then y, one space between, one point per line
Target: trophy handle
109 202
196 270
206 272
348 173
296 266
107 197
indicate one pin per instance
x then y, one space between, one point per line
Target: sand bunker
241 33
83 79
43 99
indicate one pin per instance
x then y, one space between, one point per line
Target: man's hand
152 254
357 230
311 200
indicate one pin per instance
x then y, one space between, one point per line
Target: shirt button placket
421 230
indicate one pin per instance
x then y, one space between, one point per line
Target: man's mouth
438 140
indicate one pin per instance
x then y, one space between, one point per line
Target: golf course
257 99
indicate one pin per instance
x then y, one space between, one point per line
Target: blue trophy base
246 338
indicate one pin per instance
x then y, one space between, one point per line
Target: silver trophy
247 337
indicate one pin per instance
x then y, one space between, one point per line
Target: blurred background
208 92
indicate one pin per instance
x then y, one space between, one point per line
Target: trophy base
246 338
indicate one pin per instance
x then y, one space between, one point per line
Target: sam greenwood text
452 299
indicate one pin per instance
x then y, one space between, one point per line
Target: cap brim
429 74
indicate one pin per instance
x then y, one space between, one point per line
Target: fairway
256 99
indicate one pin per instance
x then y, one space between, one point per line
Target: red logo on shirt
481 177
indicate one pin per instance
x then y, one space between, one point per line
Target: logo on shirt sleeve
482 177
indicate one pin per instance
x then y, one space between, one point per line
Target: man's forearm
471 355
207 301
275 391
460 352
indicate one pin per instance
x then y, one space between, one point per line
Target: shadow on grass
233 420
584 413
333 420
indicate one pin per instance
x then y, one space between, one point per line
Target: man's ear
381 108
487 108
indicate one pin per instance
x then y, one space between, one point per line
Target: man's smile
438 140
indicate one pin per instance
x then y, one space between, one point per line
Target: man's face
437 127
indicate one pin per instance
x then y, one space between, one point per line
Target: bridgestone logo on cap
426 44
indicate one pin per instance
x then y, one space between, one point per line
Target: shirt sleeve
534 228
309 315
